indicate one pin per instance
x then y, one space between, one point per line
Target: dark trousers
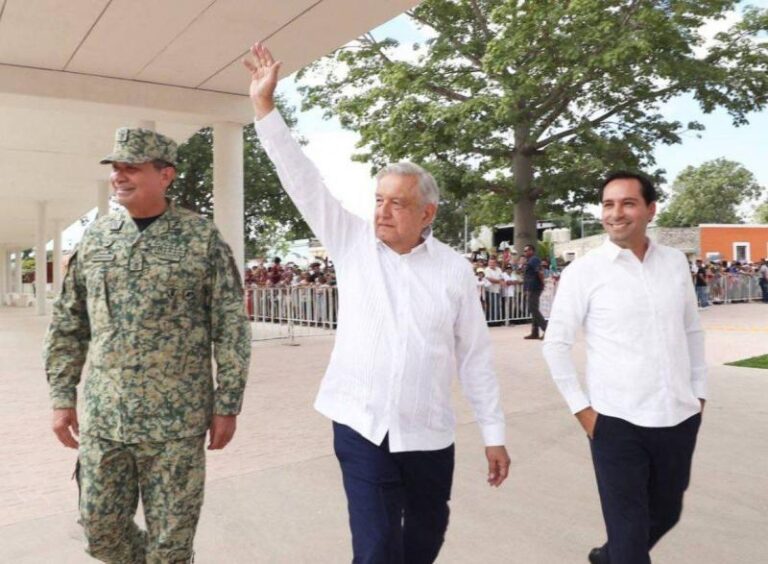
764 288
538 321
398 502
702 296
642 474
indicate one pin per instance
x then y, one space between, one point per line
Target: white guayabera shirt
645 342
407 323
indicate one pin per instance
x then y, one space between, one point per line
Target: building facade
743 243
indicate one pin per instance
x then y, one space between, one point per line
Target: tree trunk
525 217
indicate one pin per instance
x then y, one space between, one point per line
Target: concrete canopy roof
71 72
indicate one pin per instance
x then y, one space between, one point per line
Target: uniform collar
167 220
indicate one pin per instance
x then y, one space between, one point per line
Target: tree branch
552 117
601 118
456 46
482 21
441 90
569 90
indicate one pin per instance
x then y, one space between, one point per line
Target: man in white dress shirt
495 277
646 372
409 319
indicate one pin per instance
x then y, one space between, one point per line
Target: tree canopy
519 105
709 193
761 213
270 215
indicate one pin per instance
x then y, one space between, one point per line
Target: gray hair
430 193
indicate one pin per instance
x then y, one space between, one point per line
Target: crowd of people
500 279
724 281
504 283
278 275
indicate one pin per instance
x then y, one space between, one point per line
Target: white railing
288 312
501 310
299 311
730 288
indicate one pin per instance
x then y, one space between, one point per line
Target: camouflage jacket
150 310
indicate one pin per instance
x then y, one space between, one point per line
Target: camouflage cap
137 145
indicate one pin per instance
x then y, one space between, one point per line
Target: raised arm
332 224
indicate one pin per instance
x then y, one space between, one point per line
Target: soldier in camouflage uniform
151 294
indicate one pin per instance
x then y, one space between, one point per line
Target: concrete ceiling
72 71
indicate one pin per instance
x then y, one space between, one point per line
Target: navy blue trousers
642 474
398 502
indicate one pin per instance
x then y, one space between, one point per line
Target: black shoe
596 556
532 336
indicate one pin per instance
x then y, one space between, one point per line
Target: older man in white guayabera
409 319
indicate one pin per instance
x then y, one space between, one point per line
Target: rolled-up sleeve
474 360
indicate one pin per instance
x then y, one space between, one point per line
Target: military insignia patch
103 256
123 134
168 251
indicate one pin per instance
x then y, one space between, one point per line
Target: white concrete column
102 197
41 261
57 274
228 207
17 284
4 278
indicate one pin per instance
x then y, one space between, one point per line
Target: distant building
744 243
713 242
686 239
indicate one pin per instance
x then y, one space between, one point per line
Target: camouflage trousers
169 478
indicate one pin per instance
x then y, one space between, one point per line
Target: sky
331 147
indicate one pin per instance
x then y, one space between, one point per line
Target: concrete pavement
275 495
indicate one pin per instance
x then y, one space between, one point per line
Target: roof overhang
72 72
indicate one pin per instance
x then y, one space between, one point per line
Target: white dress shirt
407 323
645 343
508 290
496 274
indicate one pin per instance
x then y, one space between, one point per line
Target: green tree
761 213
521 102
709 193
270 216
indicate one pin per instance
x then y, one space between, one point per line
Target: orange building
744 243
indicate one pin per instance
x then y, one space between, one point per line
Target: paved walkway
274 496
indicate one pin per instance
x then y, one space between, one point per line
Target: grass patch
754 362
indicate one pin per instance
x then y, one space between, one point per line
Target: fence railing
287 312
503 310
730 288
279 313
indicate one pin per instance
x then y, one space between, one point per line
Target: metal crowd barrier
299 311
501 310
295 311
729 288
